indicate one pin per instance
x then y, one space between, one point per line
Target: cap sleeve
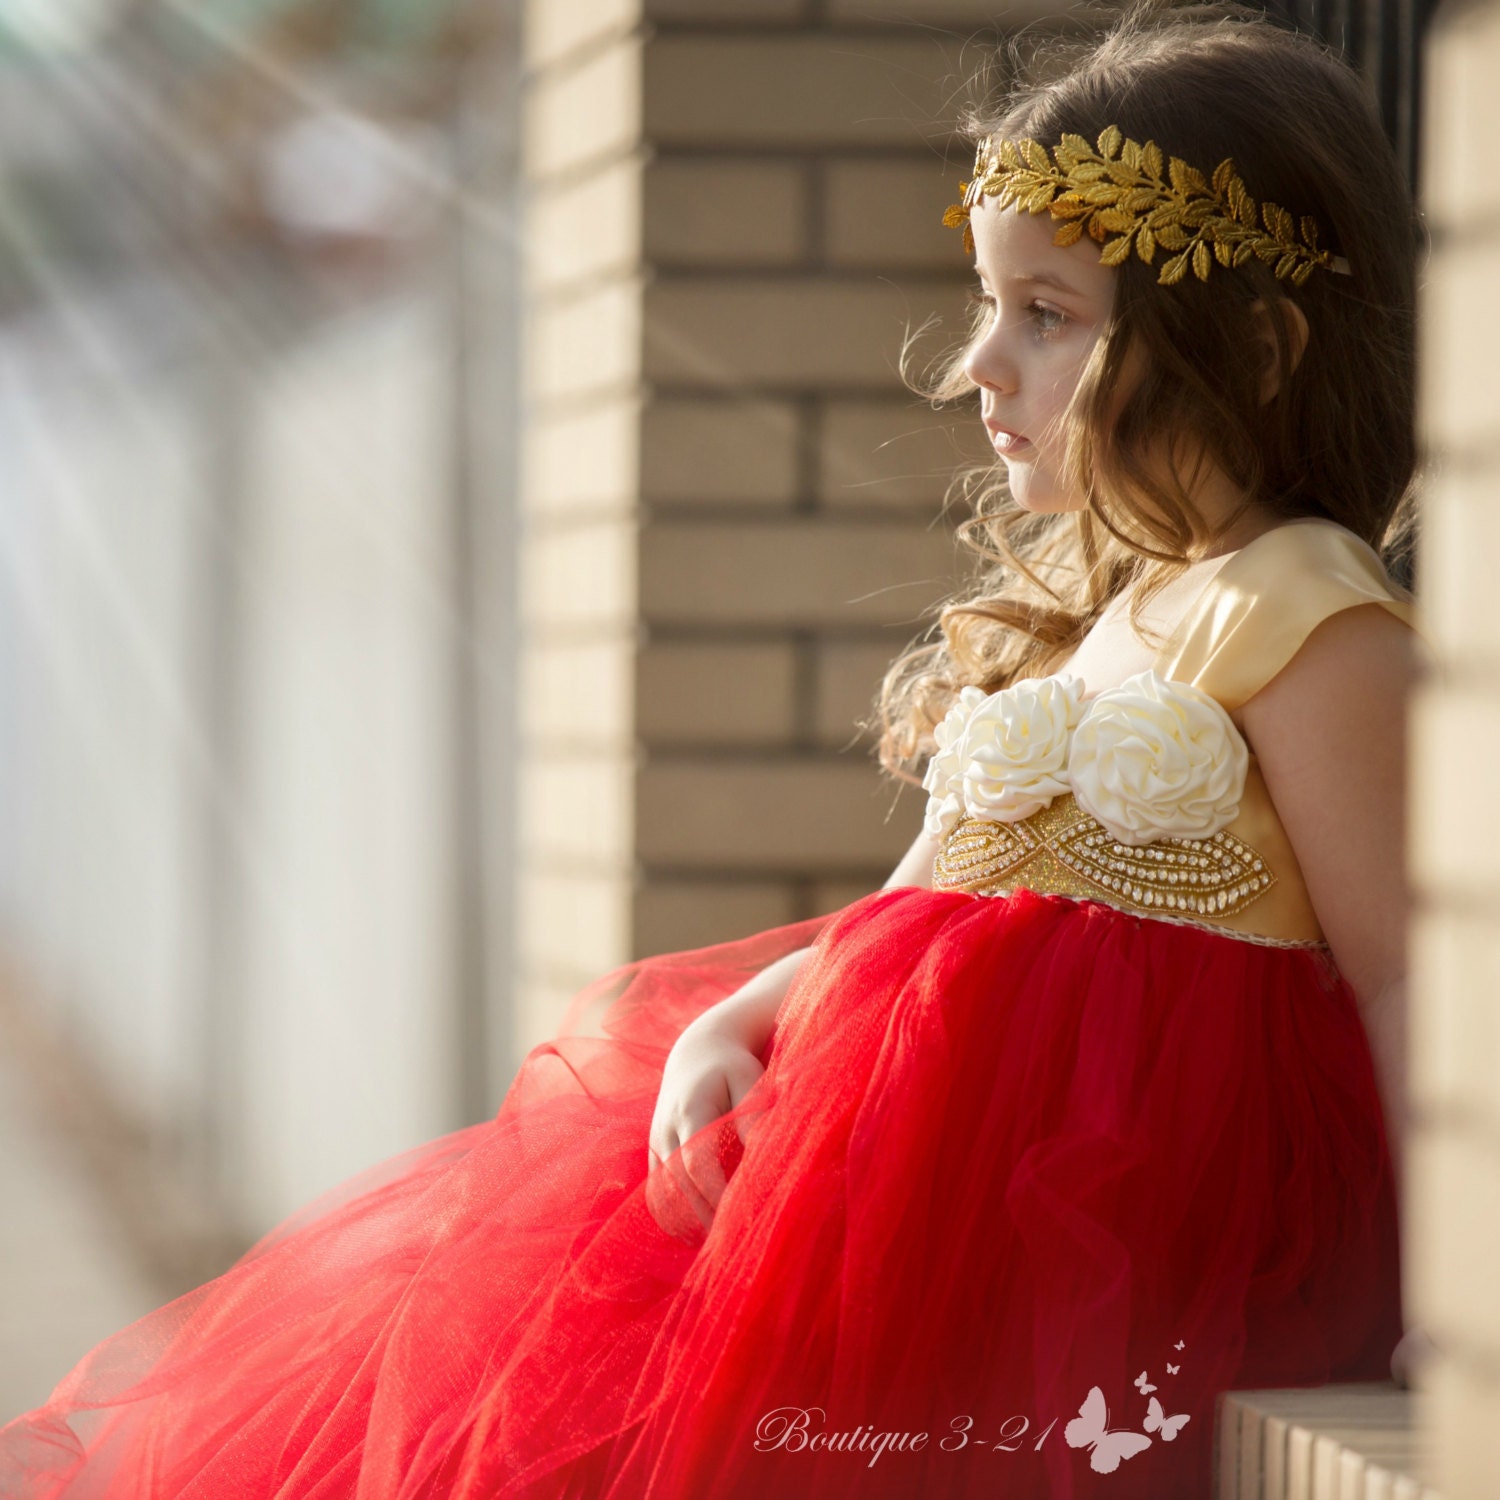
1267 599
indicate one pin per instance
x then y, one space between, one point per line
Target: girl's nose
987 363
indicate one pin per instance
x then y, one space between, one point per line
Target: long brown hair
1204 81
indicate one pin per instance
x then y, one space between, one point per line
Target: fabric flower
1155 758
945 771
1015 748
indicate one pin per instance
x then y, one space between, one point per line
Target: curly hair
1204 81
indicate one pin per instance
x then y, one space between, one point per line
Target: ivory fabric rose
1155 758
945 771
1015 748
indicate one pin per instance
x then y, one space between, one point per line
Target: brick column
1453 1229
731 505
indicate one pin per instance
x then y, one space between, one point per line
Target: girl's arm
749 1014
1329 731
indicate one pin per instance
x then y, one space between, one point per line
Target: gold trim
1062 850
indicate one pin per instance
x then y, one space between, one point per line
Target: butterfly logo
1171 1370
1178 1344
1158 1421
1090 1429
1142 1385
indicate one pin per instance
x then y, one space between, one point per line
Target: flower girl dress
1043 1159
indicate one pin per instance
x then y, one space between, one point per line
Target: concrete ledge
1359 1441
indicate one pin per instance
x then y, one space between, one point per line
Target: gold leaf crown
1119 189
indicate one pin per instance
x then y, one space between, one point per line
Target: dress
1043 1159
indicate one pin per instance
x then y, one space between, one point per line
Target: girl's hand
708 1071
1414 1350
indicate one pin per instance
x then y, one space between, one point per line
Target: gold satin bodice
1245 626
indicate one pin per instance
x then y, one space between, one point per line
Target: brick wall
1452 1239
731 503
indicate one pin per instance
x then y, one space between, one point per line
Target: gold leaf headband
1120 189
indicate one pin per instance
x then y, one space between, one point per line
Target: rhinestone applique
1065 850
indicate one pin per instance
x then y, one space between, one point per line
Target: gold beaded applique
1063 850
1121 190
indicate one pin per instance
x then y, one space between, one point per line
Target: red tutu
1026 1183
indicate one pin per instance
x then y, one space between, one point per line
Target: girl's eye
1046 329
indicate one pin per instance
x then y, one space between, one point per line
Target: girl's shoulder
1267 598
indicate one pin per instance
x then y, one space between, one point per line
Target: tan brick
568 922
790 815
847 677
715 693
1455 837
1453 1029
795 90
586 228
584 460
577 814
716 450
579 576
1460 534
793 572
671 915
890 213
1460 1406
555 28
587 346
799 333
1461 114
725 212
583 115
578 695
897 452
1459 332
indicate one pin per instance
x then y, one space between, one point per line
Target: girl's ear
1296 331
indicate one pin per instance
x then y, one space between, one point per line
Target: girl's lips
1008 442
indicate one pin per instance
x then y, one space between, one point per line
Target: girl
989 1182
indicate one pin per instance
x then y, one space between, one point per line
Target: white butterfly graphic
1090 1429
1178 1344
1158 1421
1142 1385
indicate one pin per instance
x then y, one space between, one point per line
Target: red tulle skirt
1026 1183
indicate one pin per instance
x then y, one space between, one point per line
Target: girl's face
1048 305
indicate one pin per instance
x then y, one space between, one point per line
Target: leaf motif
1174 270
1068 233
968 240
1171 235
1116 251
1096 229
1151 160
1309 231
1039 197
1138 199
1243 203
1202 260
1222 175
1089 171
1036 156
1243 252
1109 142
1302 273
1010 156
1120 173
1070 206
1145 242
1130 154
1187 179
954 215
1224 254
1117 219
1077 145
1286 265
1101 192
1277 220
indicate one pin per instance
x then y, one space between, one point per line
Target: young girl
990 1182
